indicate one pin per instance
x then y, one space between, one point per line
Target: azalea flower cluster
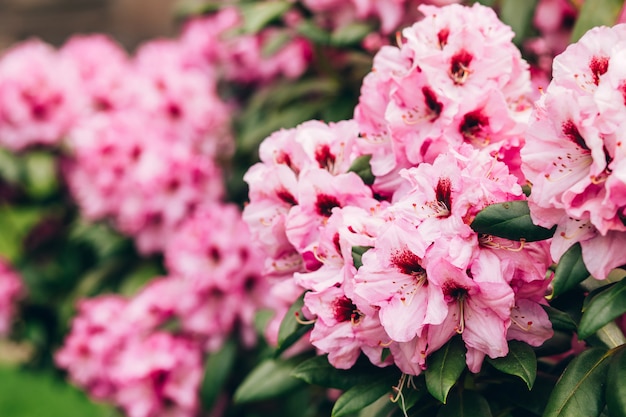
11 290
389 261
146 353
574 153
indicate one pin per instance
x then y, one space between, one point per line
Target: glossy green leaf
269 379
596 13
216 370
616 385
603 308
350 34
570 271
509 220
319 371
580 390
361 395
361 166
291 330
610 336
521 361
518 14
465 403
560 320
444 368
357 254
258 15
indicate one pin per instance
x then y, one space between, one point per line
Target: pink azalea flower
40 99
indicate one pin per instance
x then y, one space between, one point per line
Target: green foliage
465 403
521 361
615 386
580 390
292 328
217 369
596 13
570 271
357 254
363 394
518 15
361 166
269 379
444 368
603 307
509 220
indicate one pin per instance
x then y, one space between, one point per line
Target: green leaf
609 336
580 390
603 308
258 15
42 176
357 254
615 386
521 361
518 15
570 271
311 31
361 395
560 320
290 330
319 371
269 379
275 43
444 368
361 166
596 13
510 220
216 370
465 403
350 34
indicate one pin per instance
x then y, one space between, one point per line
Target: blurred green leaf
275 43
604 307
311 31
271 378
465 403
10 166
291 329
42 176
521 361
30 394
217 368
444 368
510 220
350 34
361 166
519 15
580 390
258 15
596 13
570 271
15 224
361 395
616 386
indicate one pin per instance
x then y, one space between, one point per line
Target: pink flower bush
446 84
11 290
573 155
40 99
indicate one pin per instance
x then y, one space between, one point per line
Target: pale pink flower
40 98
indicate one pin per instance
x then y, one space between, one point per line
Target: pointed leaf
603 308
510 220
596 13
465 403
580 390
271 378
570 271
518 15
361 166
560 320
615 386
319 371
290 330
216 370
521 361
362 395
444 368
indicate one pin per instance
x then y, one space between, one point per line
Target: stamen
461 325
385 344
303 322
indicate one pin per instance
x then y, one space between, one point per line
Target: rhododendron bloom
40 98
577 127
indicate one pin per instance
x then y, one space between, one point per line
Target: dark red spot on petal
324 157
434 105
325 204
570 130
459 66
408 263
598 65
442 36
286 196
453 291
443 192
473 124
345 310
